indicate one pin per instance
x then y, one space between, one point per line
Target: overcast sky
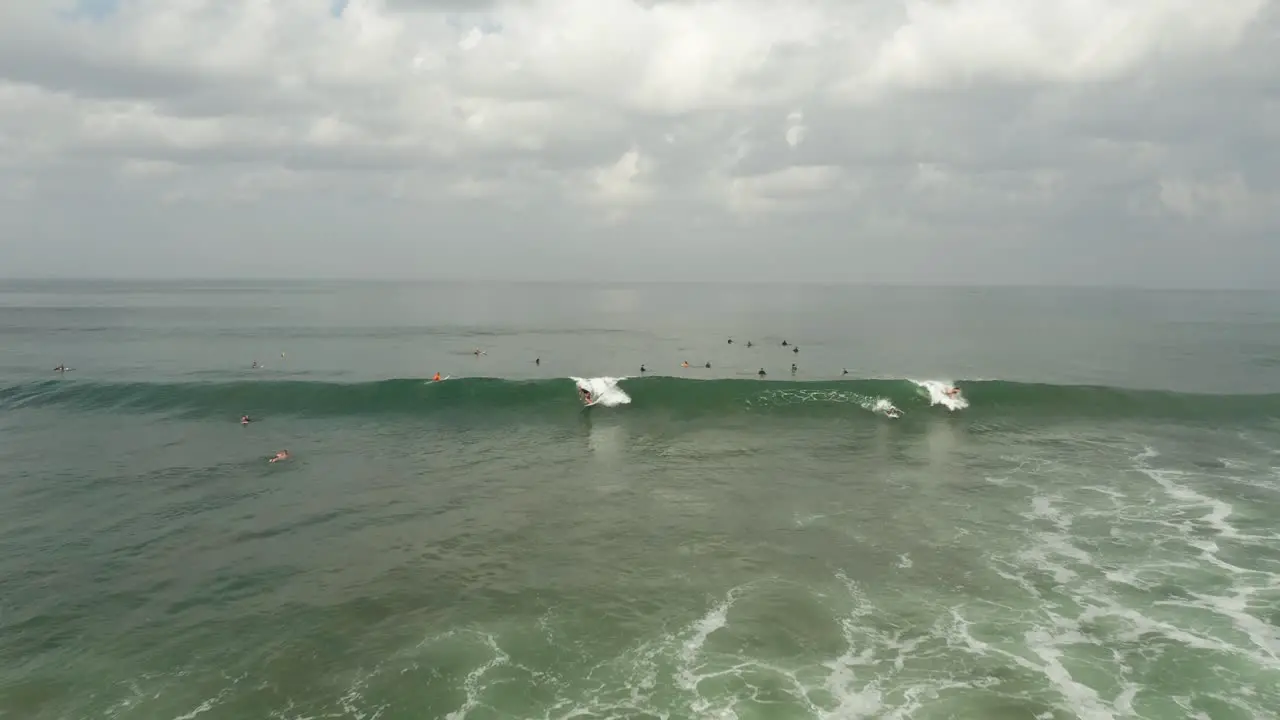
1002 141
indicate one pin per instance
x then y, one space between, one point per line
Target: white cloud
622 185
949 44
914 117
795 128
1228 199
793 188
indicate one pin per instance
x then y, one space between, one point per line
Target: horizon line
597 282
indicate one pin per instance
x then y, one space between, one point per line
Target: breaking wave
985 399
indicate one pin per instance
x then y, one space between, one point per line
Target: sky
1078 142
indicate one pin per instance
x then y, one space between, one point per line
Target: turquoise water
1090 532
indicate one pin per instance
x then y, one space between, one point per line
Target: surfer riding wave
601 391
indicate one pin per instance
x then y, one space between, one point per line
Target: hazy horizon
236 279
971 143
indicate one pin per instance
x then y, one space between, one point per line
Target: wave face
871 398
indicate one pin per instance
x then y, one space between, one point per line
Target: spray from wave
937 392
604 389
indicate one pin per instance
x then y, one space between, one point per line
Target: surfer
748 343
586 395
784 343
61 368
761 373
845 371
436 377
642 368
254 366
244 420
730 341
537 361
951 391
684 364
708 366
282 455
795 349
794 368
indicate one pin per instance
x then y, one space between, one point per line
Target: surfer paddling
282 455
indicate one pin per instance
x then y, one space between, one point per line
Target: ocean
1089 529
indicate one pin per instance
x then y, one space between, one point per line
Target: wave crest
978 399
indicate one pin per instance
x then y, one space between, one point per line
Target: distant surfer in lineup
708 366
845 371
61 369
730 341
795 349
537 361
784 343
642 368
762 373
245 420
748 343
478 352
684 364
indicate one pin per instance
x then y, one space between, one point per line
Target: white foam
471 685
605 389
790 396
936 390
884 407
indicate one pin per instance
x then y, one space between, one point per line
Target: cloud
1044 142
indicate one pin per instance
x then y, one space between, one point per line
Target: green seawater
1091 530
